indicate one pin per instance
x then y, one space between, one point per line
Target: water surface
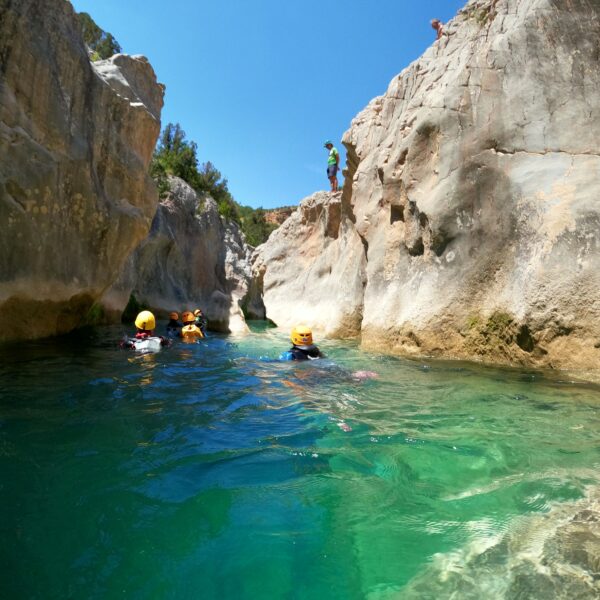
214 471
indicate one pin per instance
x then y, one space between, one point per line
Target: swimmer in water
200 321
145 324
190 332
174 326
303 347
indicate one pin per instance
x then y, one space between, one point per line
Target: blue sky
259 85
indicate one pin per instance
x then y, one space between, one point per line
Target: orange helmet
174 316
187 317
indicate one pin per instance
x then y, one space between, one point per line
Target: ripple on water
213 469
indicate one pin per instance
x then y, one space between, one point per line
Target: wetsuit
302 353
201 324
174 328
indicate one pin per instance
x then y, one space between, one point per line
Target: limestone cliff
192 258
470 204
312 268
76 139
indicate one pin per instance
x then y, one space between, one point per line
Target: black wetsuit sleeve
297 354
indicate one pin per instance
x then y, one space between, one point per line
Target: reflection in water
146 362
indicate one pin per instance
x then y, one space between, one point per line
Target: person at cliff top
145 324
437 25
303 347
190 331
174 326
200 321
333 164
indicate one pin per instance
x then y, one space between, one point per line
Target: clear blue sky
260 84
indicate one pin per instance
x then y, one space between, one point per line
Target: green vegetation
497 334
482 15
254 225
95 316
175 155
102 45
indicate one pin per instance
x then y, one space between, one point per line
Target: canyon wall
193 258
469 222
76 139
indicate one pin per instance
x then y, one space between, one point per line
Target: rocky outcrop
550 555
192 258
76 140
471 199
312 268
277 216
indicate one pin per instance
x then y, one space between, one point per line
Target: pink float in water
362 375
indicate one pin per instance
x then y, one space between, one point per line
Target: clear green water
206 471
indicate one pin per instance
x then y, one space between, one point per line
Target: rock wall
75 143
471 199
192 258
312 268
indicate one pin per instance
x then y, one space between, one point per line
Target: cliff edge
470 203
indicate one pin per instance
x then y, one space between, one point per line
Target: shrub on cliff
174 155
102 45
254 225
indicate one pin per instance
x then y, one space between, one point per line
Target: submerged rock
471 221
192 258
555 555
76 140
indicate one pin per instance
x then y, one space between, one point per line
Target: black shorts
332 170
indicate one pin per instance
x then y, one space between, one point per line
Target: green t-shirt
332 157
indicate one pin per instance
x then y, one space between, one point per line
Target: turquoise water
214 471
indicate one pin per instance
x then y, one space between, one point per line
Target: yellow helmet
174 316
145 321
187 317
302 336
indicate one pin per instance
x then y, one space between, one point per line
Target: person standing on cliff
437 25
333 164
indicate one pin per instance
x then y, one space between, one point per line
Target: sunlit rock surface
312 268
472 185
192 259
75 143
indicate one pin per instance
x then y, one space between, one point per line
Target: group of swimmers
193 327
